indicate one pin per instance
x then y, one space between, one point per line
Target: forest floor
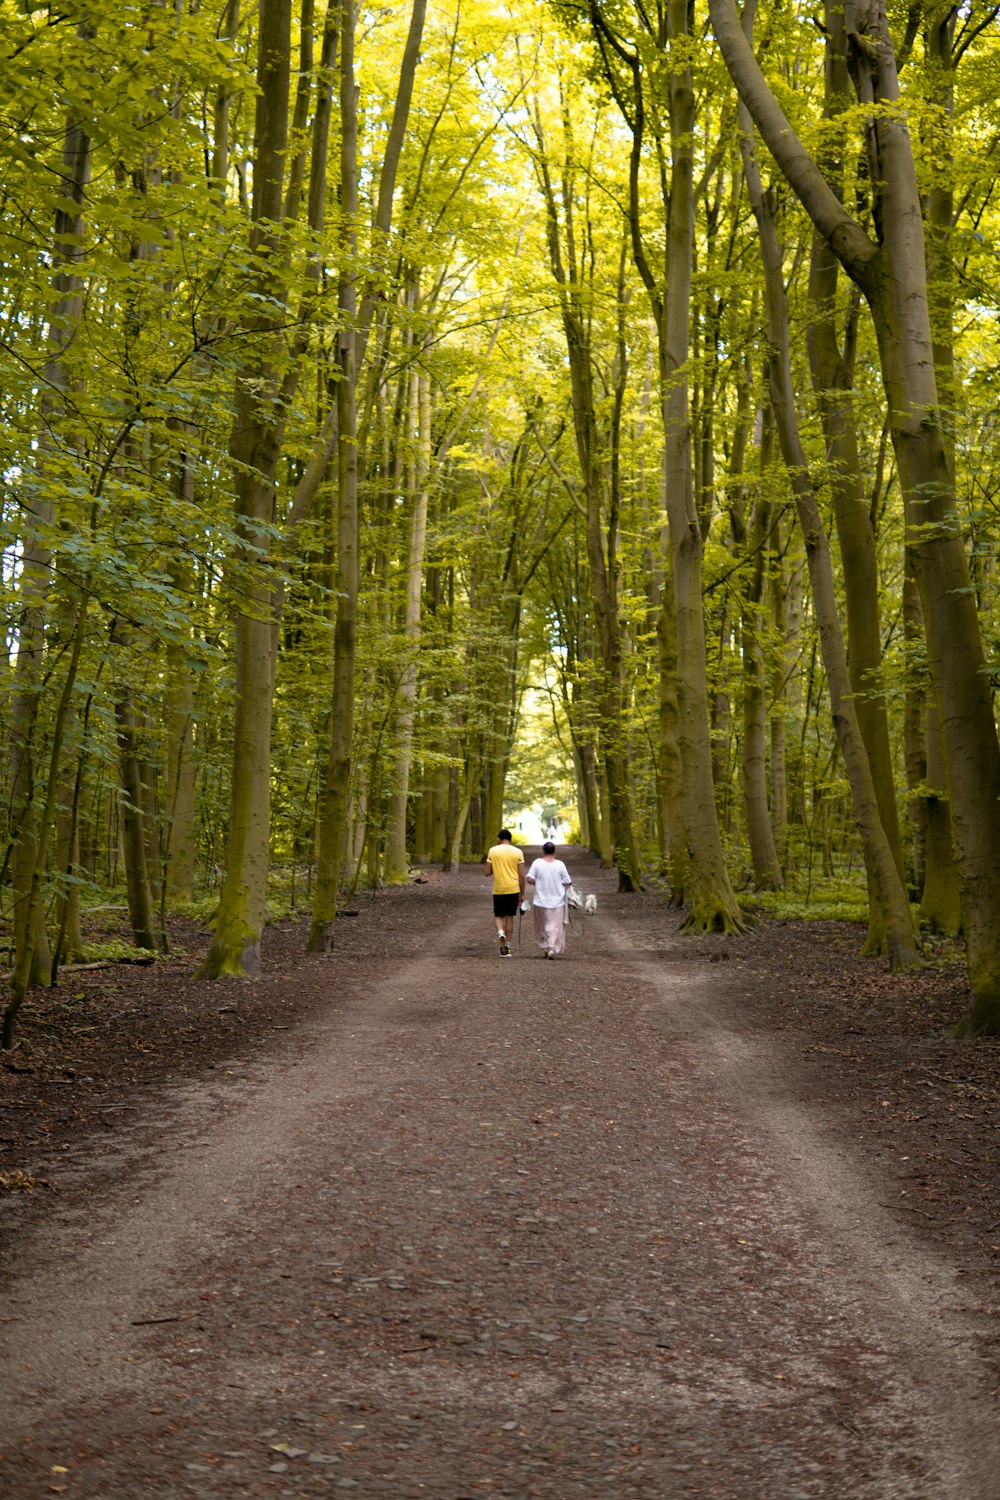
667 1217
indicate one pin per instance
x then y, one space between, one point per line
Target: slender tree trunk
228 29
395 868
462 816
914 715
181 848
351 346
882 868
786 592
760 831
137 883
670 776
833 378
37 561
21 981
69 947
941 899
333 816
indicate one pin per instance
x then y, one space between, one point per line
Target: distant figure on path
506 864
551 880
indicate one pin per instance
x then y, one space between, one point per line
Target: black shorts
506 906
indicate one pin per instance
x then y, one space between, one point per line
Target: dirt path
494 1228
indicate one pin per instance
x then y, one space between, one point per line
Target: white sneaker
550 953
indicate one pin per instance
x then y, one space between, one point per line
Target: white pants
550 927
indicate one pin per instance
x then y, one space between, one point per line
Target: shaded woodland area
369 374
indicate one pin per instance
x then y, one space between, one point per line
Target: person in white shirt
549 879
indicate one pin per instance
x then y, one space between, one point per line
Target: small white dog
586 904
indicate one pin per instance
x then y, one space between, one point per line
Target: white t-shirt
551 880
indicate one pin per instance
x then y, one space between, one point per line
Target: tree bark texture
892 276
713 904
37 564
395 867
334 804
879 861
255 446
137 882
600 493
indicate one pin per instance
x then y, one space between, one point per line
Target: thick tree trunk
255 446
892 276
940 902
713 905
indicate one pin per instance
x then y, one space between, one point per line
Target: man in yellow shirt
505 863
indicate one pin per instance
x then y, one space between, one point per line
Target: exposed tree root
715 915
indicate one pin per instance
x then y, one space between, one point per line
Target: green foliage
835 900
114 951
129 310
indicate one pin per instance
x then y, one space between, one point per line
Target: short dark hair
548 847
504 834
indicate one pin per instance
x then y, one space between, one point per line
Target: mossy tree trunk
255 446
891 273
880 863
37 560
832 365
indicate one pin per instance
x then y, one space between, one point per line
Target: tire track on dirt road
908 1300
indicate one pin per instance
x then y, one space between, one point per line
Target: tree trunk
941 899
21 980
713 905
181 847
35 582
914 721
832 374
333 814
395 870
137 883
760 832
879 861
255 446
670 776
891 274
461 818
